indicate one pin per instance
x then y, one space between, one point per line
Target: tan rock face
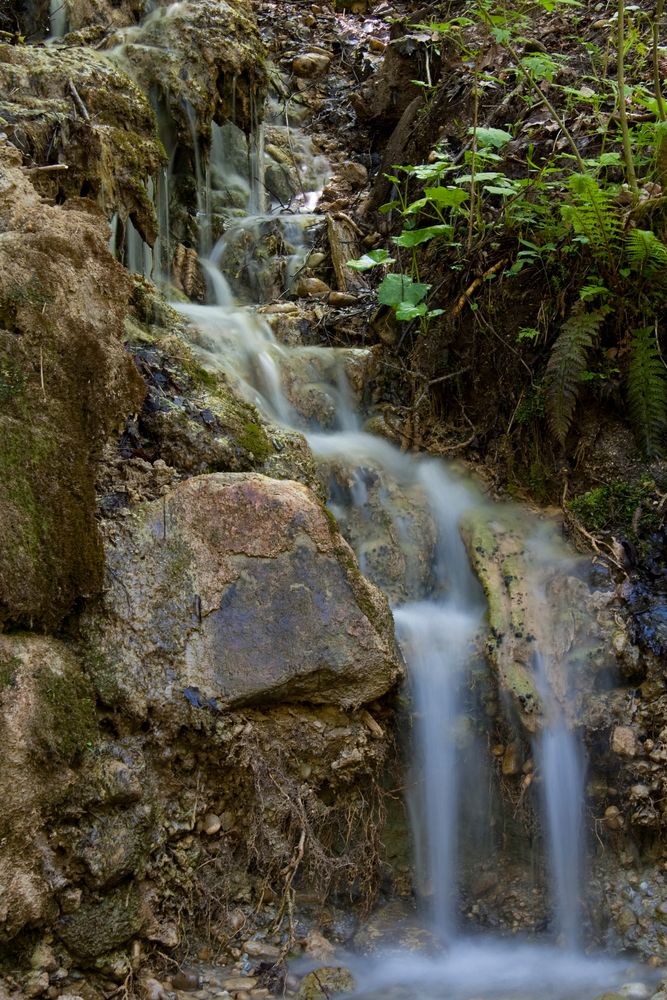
46 718
66 384
237 589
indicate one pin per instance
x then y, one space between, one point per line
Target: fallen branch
49 168
463 299
79 103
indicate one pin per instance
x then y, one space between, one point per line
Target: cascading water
562 766
58 19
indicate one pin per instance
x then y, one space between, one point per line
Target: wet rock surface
238 588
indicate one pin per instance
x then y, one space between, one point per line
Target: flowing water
401 512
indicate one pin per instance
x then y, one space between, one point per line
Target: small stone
341 299
43 958
254 948
70 900
511 760
626 920
236 983
310 64
187 979
243 995
211 824
624 741
316 258
376 44
355 174
281 307
321 983
261 992
613 819
36 984
236 920
312 286
152 989
317 946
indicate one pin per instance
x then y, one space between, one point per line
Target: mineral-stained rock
65 384
237 589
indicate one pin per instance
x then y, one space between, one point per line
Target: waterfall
58 19
561 758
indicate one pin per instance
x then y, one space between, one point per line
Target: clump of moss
614 507
8 669
254 439
67 722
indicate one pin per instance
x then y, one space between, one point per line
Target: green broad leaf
446 197
432 313
501 35
369 260
540 65
393 179
414 237
497 189
480 178
495 137
528 333
389 207
406 311
399 288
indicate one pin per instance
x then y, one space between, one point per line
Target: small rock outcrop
237 589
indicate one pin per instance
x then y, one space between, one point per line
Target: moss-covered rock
101 924
66 384
79 114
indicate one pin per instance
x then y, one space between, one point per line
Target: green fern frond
645 252
567 364
647 391
593 215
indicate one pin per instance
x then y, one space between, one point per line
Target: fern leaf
645 252
647 391
566 365
593 215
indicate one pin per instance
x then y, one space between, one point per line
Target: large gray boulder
237 589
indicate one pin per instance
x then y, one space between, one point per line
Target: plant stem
559 121
620 79
655 30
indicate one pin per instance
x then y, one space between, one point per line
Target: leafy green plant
567 364
647 391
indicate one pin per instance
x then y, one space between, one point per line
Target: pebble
237 983
341 299
211 824
310 64
376 44
186 979
312 286
623 741
36 984
255 948
355 174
